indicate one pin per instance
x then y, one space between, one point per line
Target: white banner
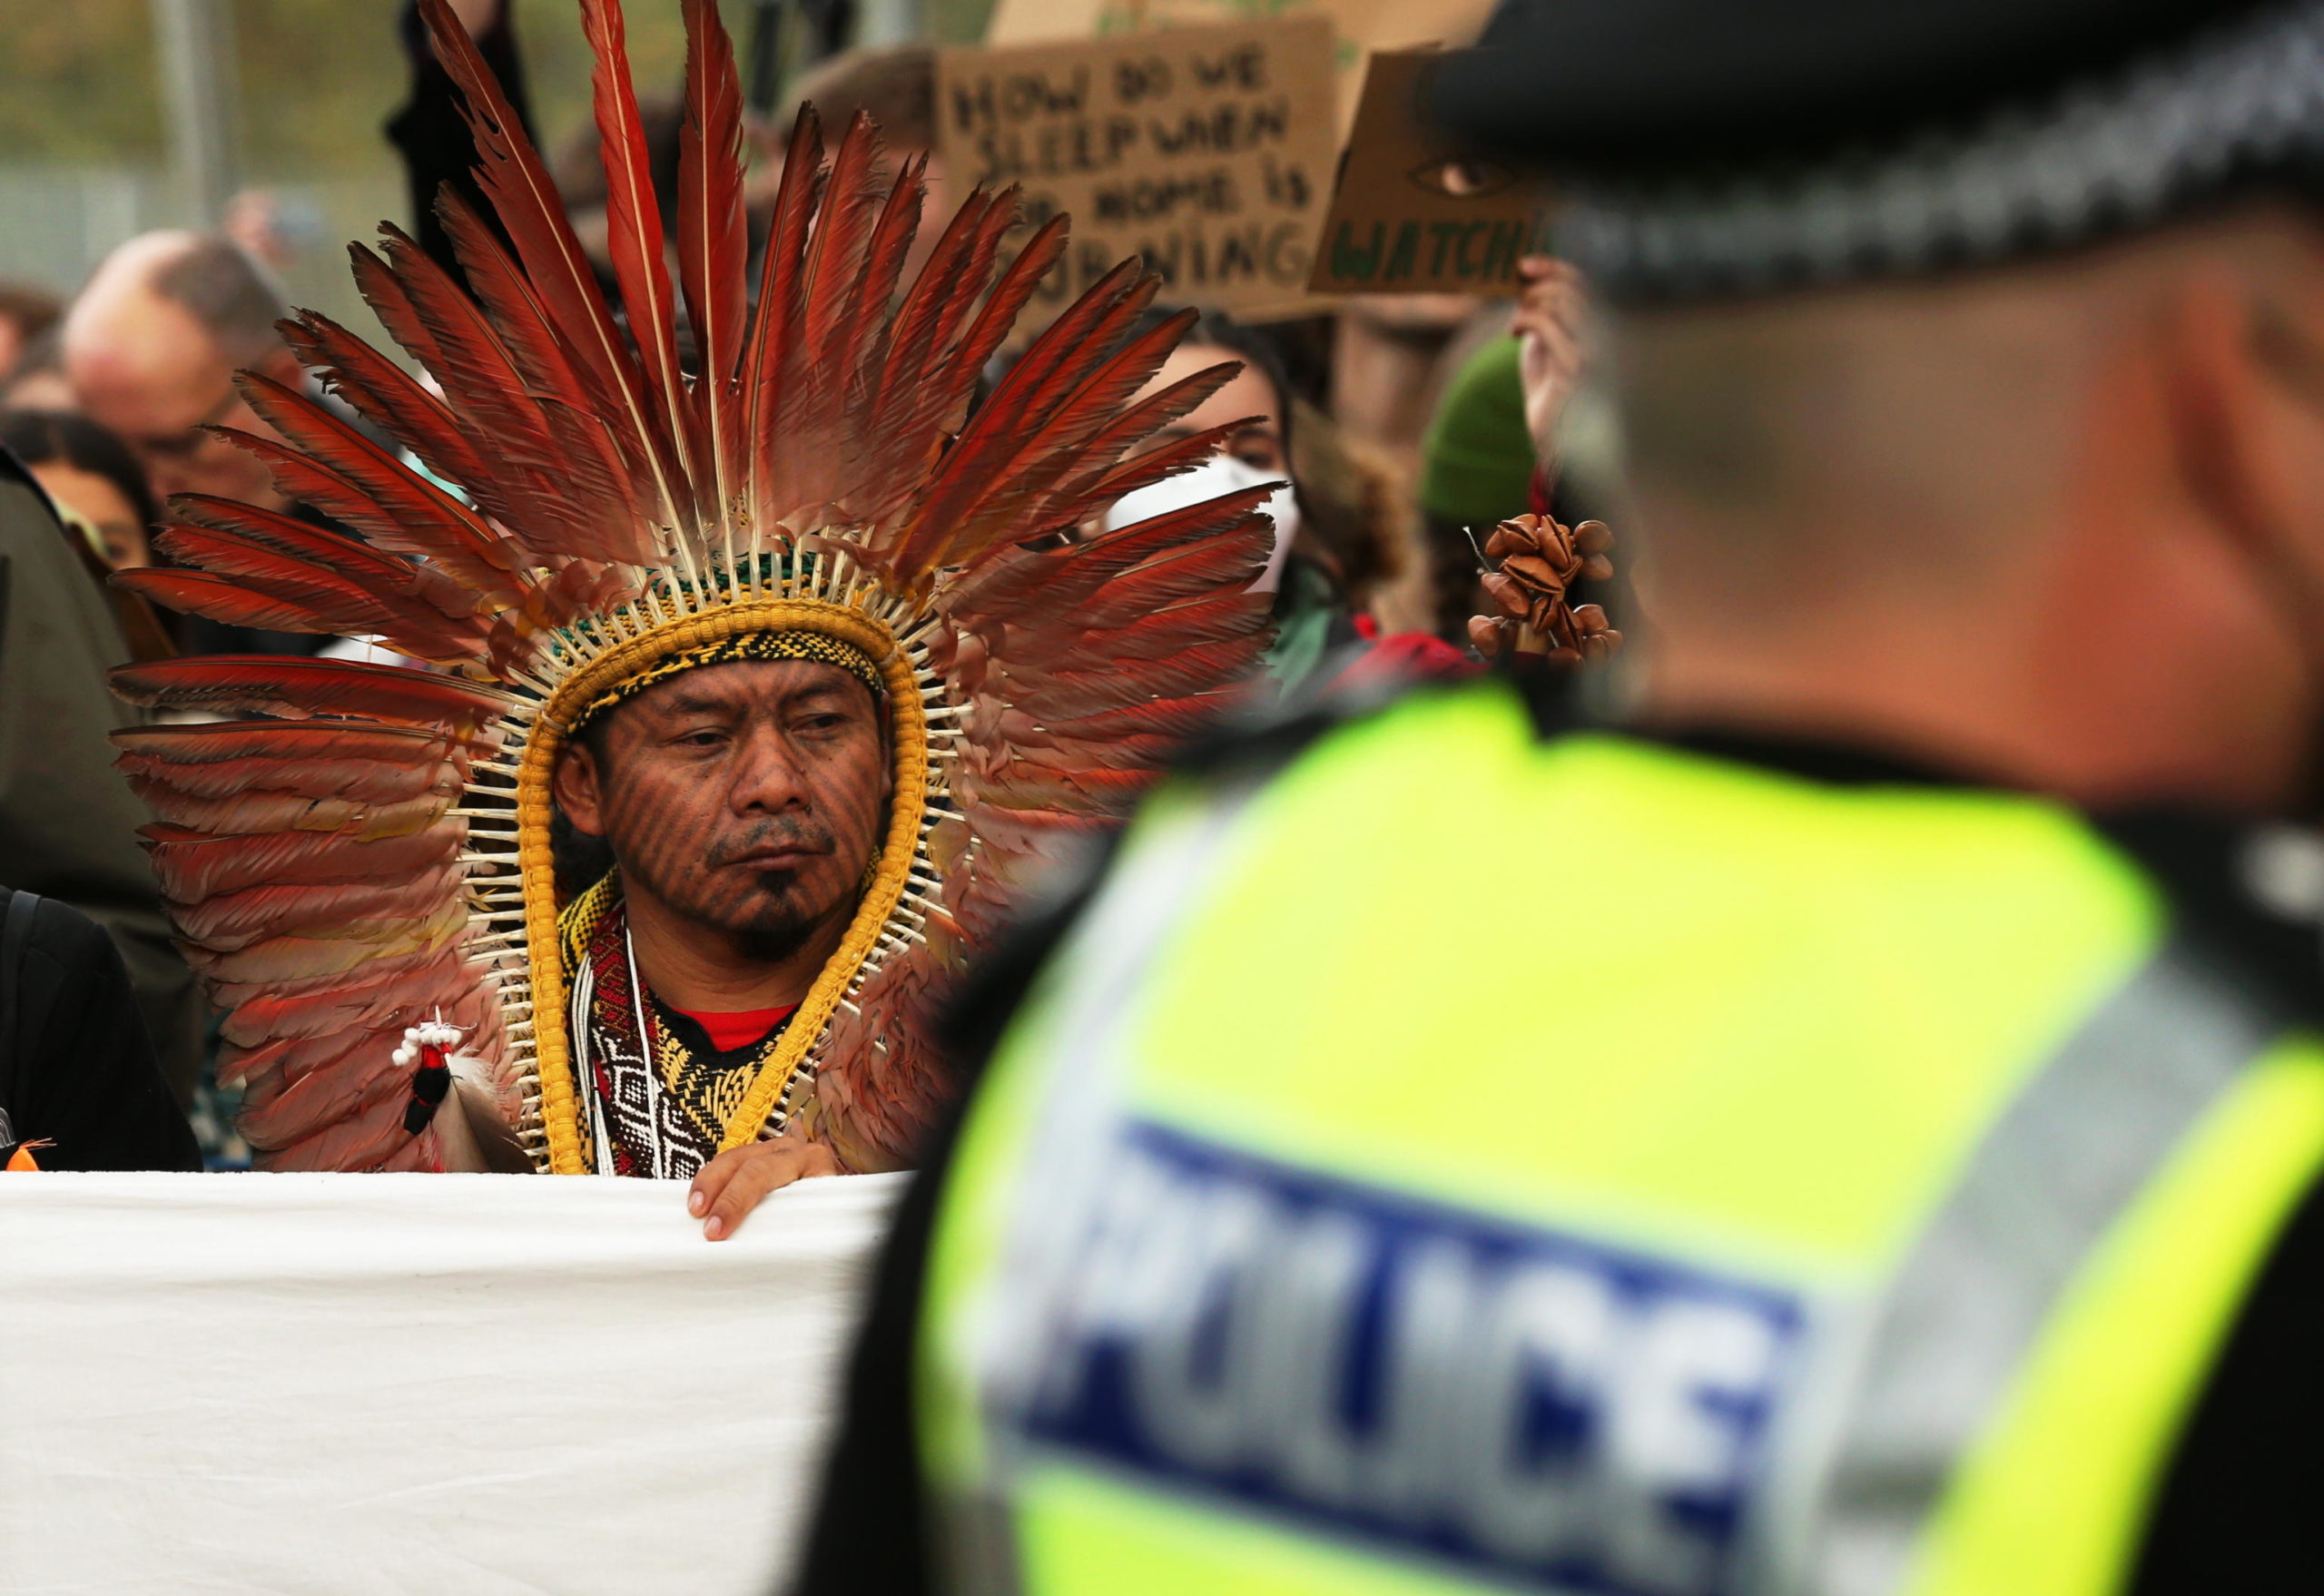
346 1384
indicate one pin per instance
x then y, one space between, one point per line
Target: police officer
1854 1127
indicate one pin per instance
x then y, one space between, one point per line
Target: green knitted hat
1477 465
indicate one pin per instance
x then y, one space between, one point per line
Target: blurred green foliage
79 84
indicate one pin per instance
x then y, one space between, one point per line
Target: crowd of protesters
1403 429
1855 1107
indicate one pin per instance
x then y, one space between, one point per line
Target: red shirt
740 1029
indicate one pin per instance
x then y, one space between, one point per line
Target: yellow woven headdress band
742 646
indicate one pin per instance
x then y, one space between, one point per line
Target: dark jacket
76 1066
68 820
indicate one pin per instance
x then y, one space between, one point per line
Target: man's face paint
747 797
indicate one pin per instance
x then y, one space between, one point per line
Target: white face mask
1217 474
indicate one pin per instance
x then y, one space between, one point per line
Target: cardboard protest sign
1038 22
1206 149
1360 26
1411 214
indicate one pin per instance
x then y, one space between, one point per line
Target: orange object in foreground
22 1161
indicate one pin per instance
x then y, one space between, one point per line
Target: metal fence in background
57 221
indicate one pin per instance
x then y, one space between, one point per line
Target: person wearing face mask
1312 619
1336 538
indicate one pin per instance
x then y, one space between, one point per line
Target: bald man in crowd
150 348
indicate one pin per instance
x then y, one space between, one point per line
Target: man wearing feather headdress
740 788
780 622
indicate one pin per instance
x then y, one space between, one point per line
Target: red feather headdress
375 852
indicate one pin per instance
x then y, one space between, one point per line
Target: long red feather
235 603
527 202
335 602
392 304
444 330
874 463
1084 334
996 319
384 394
305 597
303 963
233 919
1227 533
369 1135
193 865
1140 421
908 557
298 475
911 409
381 986
1041 435
410 514
1156 465
490 464
267 683
1191 622
362 759
942 297
1056 489
598 480
634 239
1175 718
858 341
775 358
464 1004
285 1108
398 992
852 202
288 535
1227 558
292 1055
1003 586
714 251
260 810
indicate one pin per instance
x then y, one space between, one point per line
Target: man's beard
768 920
777 936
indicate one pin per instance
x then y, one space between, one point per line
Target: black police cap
1726 146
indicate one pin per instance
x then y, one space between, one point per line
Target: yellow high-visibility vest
1467 1162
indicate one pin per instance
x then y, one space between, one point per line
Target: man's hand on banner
737 1180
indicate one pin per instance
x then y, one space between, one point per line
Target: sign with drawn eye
1468 178
1411 213
1205 150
